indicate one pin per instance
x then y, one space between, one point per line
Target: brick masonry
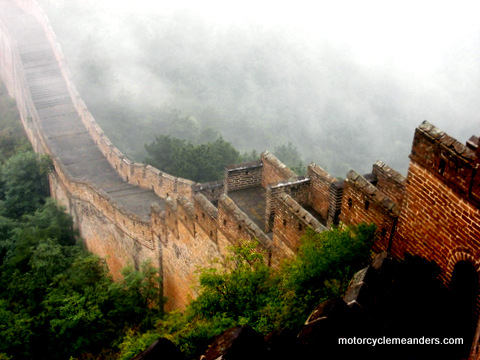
243 176
433 212
320 185
365 203
440 216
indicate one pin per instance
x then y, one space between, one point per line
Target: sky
419 59
413 35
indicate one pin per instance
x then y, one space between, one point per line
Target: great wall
129 212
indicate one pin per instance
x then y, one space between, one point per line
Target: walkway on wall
64 132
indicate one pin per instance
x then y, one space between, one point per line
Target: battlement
274 170
243 176
129 212
455 164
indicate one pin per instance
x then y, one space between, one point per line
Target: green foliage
239 291
139 300
24 184
244 290
250 156
12 136
291 157
56 299
199 163
325 263
134 343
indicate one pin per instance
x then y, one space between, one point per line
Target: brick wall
205 215
335 202
186 214
364 203
171 218
236 225
290 224
440 219
274 170
298 188
141 175
450 161
182 255
242 176
389 181
320 187
211 190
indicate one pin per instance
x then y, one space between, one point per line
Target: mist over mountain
345 84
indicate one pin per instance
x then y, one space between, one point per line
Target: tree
24 184
204 162
325 263
290 156
240 289
138 296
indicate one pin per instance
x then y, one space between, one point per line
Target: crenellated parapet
129 212
453 163
290 224
243 176
441 207
389 181
321 183
274 170
235 224
363 202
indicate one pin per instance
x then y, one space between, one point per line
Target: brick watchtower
440 218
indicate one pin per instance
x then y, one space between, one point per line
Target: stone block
359 294
161 349
237 343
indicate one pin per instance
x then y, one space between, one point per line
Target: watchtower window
284 222
367 204
349 203
300 227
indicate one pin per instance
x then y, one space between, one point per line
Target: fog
346 83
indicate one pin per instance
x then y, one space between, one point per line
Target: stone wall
364 203
274 170
243 176
298 188
141 175
187 245
320 188
236 225
441 218
433 213
389 181
206 216
211 190
291 223
450 161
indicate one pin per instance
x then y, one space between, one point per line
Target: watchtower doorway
464 290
